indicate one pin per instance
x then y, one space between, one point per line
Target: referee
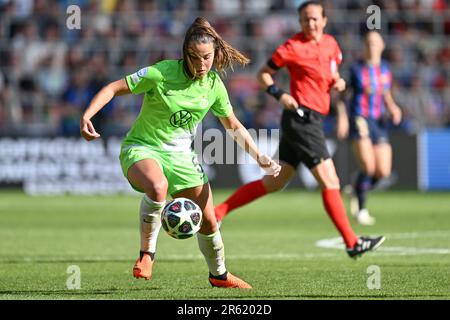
312 60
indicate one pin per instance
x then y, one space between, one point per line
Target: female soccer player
312 58
156 155
370 82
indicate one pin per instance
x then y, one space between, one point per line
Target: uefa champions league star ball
181 218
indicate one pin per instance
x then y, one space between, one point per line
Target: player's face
202 58
312 21
374 45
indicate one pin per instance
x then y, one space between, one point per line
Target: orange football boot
143 266
231 282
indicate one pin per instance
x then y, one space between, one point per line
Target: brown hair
224 54
306 4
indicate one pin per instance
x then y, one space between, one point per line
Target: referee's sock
334 205
245 194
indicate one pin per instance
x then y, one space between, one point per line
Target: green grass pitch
271 243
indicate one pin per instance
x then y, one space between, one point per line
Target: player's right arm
116 88
393 108
265 79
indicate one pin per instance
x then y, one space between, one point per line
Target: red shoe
143 266
230 282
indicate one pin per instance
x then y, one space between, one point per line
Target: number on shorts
197 165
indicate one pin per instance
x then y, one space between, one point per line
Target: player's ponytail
225 55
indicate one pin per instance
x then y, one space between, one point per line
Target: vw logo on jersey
180 118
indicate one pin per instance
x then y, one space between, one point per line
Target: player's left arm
338 82
340 85
392 107
243 138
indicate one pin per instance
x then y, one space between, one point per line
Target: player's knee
209 224
274 186
332 183
157 189
369 170
383 173
161 187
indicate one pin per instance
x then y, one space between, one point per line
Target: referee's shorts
302 138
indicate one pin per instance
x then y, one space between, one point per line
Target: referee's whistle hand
339 85
289 102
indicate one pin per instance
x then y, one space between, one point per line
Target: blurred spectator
422 107
43 58
2 99
75 99
23 8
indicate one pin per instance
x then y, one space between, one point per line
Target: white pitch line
331 243
407 250
425 234
276 256
337 243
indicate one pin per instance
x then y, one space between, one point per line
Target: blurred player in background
370 84
312 58
156 154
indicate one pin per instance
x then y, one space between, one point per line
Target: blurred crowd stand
49 73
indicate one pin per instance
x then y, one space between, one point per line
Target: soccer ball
181 218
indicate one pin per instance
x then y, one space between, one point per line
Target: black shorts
302 138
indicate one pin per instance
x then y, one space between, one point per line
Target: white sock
214 252
150 223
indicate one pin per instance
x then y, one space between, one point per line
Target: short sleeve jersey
311 66
173 105
369 84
